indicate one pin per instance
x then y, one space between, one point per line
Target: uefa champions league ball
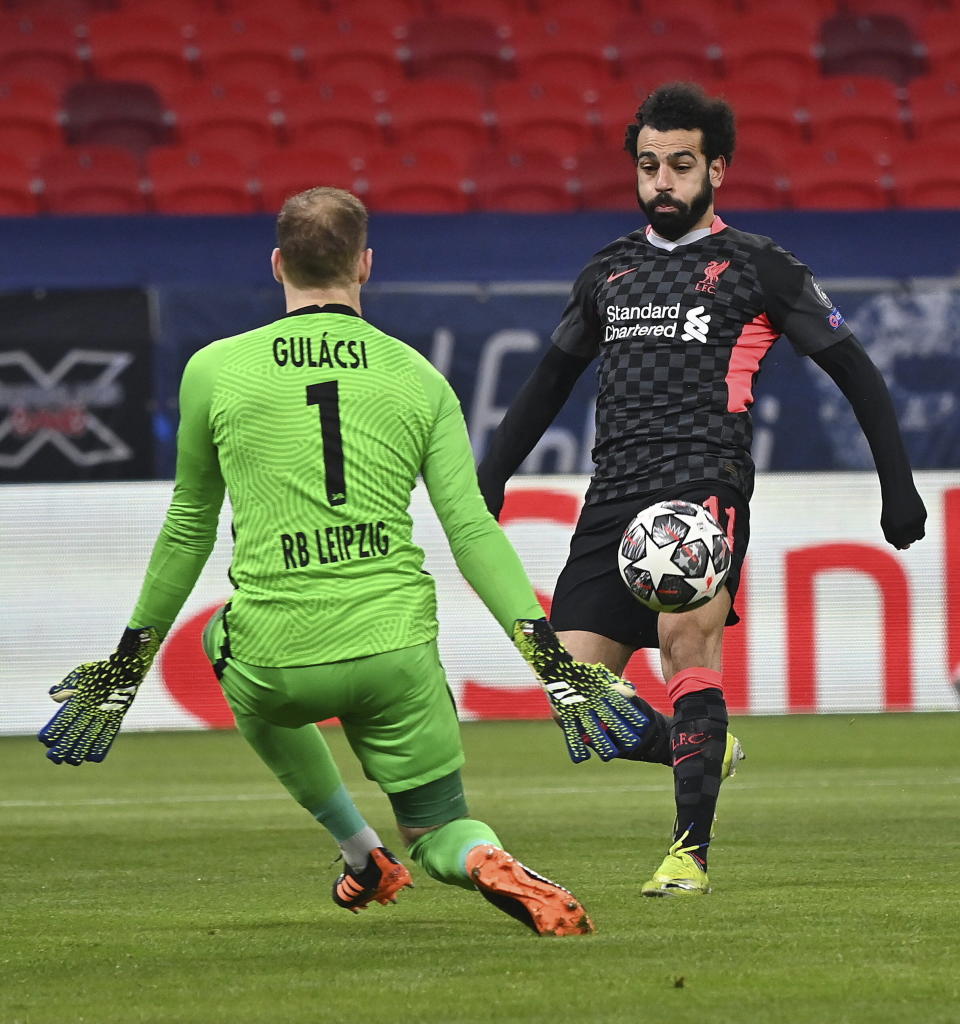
674 556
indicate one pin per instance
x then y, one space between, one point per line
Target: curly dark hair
685 105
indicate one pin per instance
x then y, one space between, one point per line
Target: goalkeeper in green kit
318 426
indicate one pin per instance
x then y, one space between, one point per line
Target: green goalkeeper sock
442 853
339 815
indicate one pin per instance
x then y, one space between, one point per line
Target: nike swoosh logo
685 757
613 277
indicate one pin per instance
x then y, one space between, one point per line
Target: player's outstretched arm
586 700
95 697
524 423
903 516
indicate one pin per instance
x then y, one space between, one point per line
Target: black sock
655 747
698 740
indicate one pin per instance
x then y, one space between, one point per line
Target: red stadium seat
766 111
438 115
416 181
838 186
856 108
523 181
234 117
155 48
92 179
756 180
377 80
935 106
40 48
370 17
249 49
18 194
29 118
779 46
940 34
555 119
191 181
344 119
280 177
927 173
878 44
547 48
607 180
502 13
666 48
129 114
337 47
470 49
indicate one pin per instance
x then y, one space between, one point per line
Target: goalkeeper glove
95 697
582 697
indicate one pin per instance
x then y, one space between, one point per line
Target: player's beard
677 221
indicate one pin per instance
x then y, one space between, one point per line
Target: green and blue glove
95 698
586 700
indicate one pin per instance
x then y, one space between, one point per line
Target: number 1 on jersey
327 397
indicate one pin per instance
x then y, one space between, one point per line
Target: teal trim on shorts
434 803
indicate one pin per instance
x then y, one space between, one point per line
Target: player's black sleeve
795 304
903 516
529 415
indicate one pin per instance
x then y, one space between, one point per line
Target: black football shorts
591 594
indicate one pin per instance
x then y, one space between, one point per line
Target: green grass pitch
178 883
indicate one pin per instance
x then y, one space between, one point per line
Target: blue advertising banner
487 339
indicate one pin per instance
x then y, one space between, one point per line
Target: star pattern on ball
658 561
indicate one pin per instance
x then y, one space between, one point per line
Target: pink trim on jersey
751 346
692 680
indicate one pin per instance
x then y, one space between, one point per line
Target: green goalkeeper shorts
396 708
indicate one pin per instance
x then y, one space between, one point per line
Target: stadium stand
520 180
934 105
284 172
18 194
466 48
40 49
29 118
556 118
551 49
870 44
92 179
416 181
249 49
605 180
129 114
231 116
482 78
191 181
778 46
337 117
155 48
663 49
444 115
856 108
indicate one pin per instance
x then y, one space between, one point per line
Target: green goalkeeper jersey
318 426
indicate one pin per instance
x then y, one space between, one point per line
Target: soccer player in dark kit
681 315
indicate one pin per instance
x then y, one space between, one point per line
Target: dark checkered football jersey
681 335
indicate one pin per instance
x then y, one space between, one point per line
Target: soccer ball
674 556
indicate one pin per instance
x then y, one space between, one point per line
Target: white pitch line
478 791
